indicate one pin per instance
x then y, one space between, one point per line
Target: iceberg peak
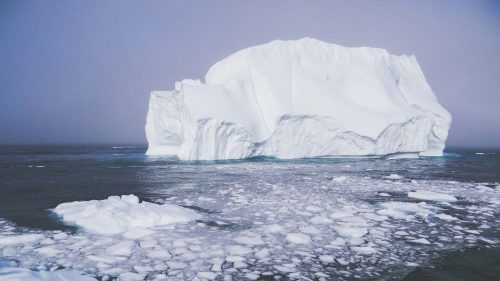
302 98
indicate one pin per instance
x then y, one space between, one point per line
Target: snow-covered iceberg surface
304 98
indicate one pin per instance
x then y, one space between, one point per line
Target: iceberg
297 99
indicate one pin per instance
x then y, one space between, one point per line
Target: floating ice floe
22 274
340 179
393 177
420 241
384 194
298 238
405 210
24 239
432 196
123 215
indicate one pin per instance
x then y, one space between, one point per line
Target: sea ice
383 194
20 239
132 276
274 228
288 227
404 210
420 241
432 196
346 231
298 238
20 274
122 215
339 179
123 248
239 250
445 217
327 258
207 275
393 177
365 250
248 240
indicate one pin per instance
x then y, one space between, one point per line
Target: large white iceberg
294 99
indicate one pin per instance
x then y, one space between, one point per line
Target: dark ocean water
35 179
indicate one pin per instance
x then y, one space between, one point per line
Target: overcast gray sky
81 71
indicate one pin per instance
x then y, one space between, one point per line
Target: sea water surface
262 219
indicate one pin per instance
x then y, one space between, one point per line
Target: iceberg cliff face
294 99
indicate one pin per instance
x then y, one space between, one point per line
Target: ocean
431 218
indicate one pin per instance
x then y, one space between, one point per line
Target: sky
82 71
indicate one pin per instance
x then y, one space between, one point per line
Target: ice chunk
340 179
314 209
249 240
342 261
347 231
432 196
235 258
420 241
20 274
374 217
304 98
309 229
9 251
251 276
123 248
393 177
285 269
365 250
20 239
383 194
159 254
143 269
176 265
327 258
298 238
48 251
404 210
264 253
132 276
239 250
122 215
150 243
207 275
445 217
274 228
320 220
341 214
60 236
